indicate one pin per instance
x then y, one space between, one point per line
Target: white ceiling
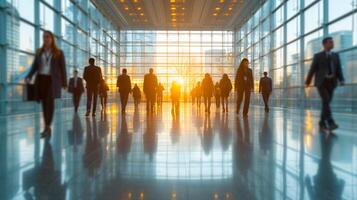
175 14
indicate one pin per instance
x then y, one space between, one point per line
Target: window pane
340 7
313 17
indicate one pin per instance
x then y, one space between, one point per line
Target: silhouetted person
93 76
124 85
325 184
76 87
265 88
136 95
150 87
45 179
75 136
175 97
198 91
225 85
103 93
193 95
244 85
207 88
93 153
327 72
50 66
217 94
124 139
160 90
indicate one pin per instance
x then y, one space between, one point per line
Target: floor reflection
186 154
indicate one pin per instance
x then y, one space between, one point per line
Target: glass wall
182 56
281 37
81 32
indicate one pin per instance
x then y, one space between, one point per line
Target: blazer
150 84
319 69
92 75
265 85
239 82
57 72
76 90
124 83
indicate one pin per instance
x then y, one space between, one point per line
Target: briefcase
29 92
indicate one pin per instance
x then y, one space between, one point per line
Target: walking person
244 85
150 87
198 94
327 72
193 95
207 91
225 85
103 94
93 76
217 95
75 87
175 98
265 88
124 88
160 90
50 66
136 95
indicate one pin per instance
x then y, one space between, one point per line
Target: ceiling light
141 14
138 8
230 8
218 8
126 8
173 8
172 1
173 14
135 1
222 1
214 14
122 1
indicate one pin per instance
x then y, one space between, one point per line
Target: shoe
87 113
245 115
323 127
46 133
224 110
333 126
93 114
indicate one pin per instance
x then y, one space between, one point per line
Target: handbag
29 92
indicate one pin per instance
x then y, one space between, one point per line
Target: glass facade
182 56
81 32
281 37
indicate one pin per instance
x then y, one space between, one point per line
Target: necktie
329 64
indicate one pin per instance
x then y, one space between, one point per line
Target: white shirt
45 68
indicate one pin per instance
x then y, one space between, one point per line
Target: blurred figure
160 90
244 85
226 87
124 88
93 77
193 95
175 97
265 88
217 95
198 91
50 66
207 88
327 72
136 95
325 184
150 87
75 87
103 93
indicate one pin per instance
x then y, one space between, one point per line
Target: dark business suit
150 86
48 87
92 75
327 71
76 88
244 85
124 86
265 87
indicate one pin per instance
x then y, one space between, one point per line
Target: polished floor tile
189 155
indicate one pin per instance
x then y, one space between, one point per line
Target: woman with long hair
244 85
50 66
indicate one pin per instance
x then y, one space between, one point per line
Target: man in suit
76 88
92 75
124 88
150 86
327 71
265 88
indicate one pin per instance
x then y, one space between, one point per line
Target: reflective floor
191 155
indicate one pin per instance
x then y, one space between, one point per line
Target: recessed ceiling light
141 14
214 14
138 8
230 8
218 8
